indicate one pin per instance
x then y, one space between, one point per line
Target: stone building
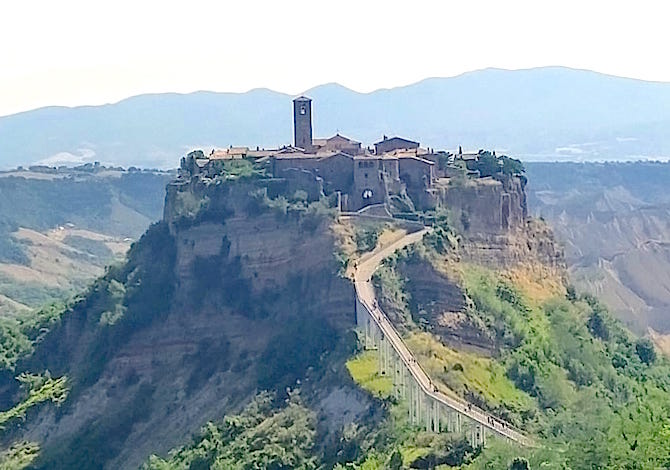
417 174
387 145
336 169
397 167
362 180
231 153
338 143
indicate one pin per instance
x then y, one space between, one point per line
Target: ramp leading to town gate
427 406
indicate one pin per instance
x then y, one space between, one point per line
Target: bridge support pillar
405 383
366 332
387 359
380 355
419 403
410 404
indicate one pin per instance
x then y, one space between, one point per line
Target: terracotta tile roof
231 152
416 157
397 139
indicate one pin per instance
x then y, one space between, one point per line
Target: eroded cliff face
485 206
489 228
231 294
254 302
534 244
492 219
438 301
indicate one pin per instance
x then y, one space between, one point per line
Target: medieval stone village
396 175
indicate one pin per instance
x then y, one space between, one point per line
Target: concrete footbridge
427 406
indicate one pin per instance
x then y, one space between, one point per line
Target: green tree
395 461
571 293
519 463
645 350
597 325
512 166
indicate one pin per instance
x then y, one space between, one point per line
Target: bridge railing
424 383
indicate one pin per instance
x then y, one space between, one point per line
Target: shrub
645 350
597 325
519 463
571 293
395 461
366 240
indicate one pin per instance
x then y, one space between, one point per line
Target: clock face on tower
303 110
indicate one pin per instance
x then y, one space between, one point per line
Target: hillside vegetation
265 434
160 344
559 367
59 229
226 341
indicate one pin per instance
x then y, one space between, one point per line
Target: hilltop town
265 262
394 176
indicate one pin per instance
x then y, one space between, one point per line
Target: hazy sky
72 52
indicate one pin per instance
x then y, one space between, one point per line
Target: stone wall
336 170
417 175
303 180
367 177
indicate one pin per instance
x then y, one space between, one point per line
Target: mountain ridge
537 114
337 84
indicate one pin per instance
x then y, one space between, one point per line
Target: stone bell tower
302 123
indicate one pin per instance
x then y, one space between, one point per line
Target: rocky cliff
487 227
226 296
491 217
485 206
238 290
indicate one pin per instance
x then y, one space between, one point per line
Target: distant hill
58 230
614 221
537 114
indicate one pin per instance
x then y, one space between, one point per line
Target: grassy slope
396 433
364 370
459 372
588 396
